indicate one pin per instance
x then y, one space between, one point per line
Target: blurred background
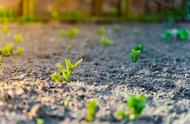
94 10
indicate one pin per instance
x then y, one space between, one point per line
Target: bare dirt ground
162 74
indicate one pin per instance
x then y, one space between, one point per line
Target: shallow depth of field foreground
101 69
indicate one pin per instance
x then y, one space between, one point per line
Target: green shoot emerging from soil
20 51
136 52
18 38
7 50
136 105
181 34
67 72
69 47
40 121
101 31
91 108
105 41
72 32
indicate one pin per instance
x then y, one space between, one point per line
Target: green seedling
69 47
116 28
139 47
7 50
121 114
167 35
62 33
56 77
183 34
40 121
135 55
101 31
67 72
136 105
20 51
105 41
72 32
18 38
91 108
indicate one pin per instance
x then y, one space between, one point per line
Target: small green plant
101 31
91 108
7 50
136 105
181 34
40 121
62 33
20 51
106 41
72 32
135 55
18 38
69 47
67 72
136 52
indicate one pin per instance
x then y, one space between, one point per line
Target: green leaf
77 63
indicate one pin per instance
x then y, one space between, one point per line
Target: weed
20 51
121 114
91 108
56 77
136 105
135 55
69 47
67 72
183 34
101 31
139 47
72 32
105 41
7 50
40 121
18 38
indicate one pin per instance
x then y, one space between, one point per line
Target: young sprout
20 51
121 114
40 121
183 34
67 72
72 32
167 35
7 50
136 52
56 77
62 33
18 38
69 47
116 28
106 41
136 105
91 108
101 31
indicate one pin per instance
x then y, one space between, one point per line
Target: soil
107 73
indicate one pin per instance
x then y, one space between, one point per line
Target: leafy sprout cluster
181 34
91 108
135 105
65 73
71 33
136 52
104 40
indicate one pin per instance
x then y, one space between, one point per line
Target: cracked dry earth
162 74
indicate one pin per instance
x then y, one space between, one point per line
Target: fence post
27 7
124 8
97 7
